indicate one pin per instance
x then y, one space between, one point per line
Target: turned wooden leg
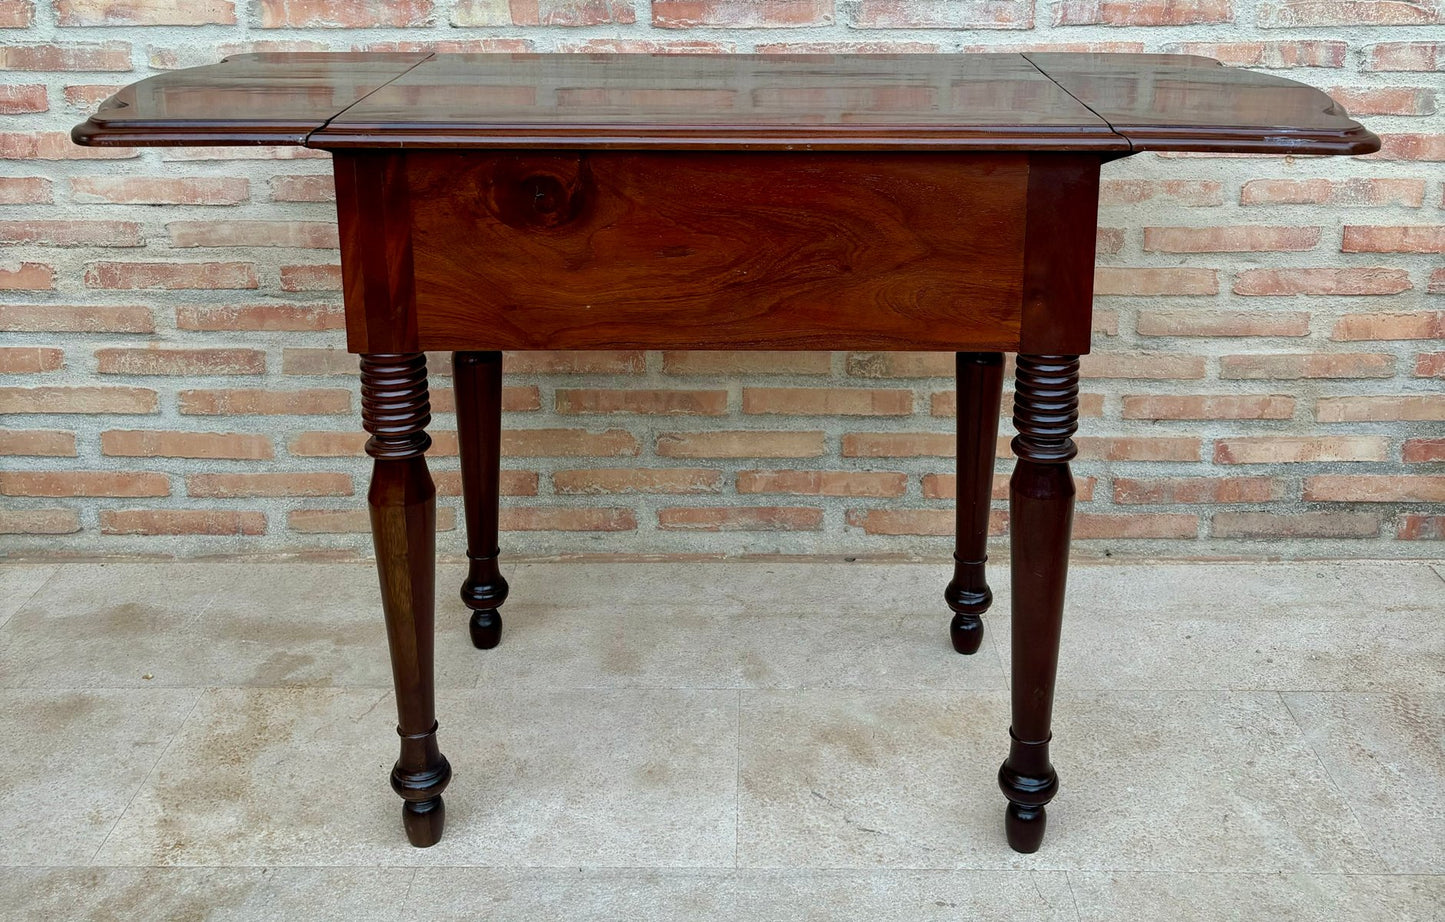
980 389
477 377
395 410
1041 511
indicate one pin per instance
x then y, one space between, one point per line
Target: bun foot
966 632
486 628
424 821
1024 827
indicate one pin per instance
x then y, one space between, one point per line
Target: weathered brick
536 518
77 400
1207 406
1147 283
1138 448
1406 56
637 480
1296 525
1375 280
314 401
744 443
17 14
44 443
514 399
1415 526
1424 407
141 190
72 233
153 360
319 187
1430 365
1411 146
740 518
256 317
158 443
740 14
54 145
1243 238
349 521
1193 192
343 14
862 47
39 521
469 13
938 522
1358 192
311 278
1423 451
1152 13
824 483
23 98
1415 239
107 56
510 483
269 483
942 14
25 190
25 360
574 363
659 401
733 363
1286 14
1367 327
1196 490
1385 100
181 522
896 445
647 46
144 12
945 486
827 401
1091 405
1307 365
1222 323
83 483
1267 55
1374 488
302 234
1090 525
27 277
1295 449
64 318
170 276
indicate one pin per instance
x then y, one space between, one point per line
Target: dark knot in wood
395 407
537 192
1046 407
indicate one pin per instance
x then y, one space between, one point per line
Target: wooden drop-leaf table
494 202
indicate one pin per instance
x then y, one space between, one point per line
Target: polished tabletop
1039 102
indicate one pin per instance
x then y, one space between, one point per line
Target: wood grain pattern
1109 104
622 250
373 214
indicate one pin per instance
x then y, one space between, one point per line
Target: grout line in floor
200 693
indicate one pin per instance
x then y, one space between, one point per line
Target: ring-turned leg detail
980 389
477 378
395 409
1041 506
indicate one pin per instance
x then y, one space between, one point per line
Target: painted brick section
1269 338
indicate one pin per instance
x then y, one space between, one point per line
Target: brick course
1268 330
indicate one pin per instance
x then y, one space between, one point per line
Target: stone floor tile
905 896
212 894
1388 752
193 624
71 760
630 778
1283 897
1184 781
18 584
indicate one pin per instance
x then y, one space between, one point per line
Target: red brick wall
1266 379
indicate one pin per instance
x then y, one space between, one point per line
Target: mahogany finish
980 391
624 250
395 409
477 378
913 202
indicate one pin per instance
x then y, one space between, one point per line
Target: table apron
575 250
